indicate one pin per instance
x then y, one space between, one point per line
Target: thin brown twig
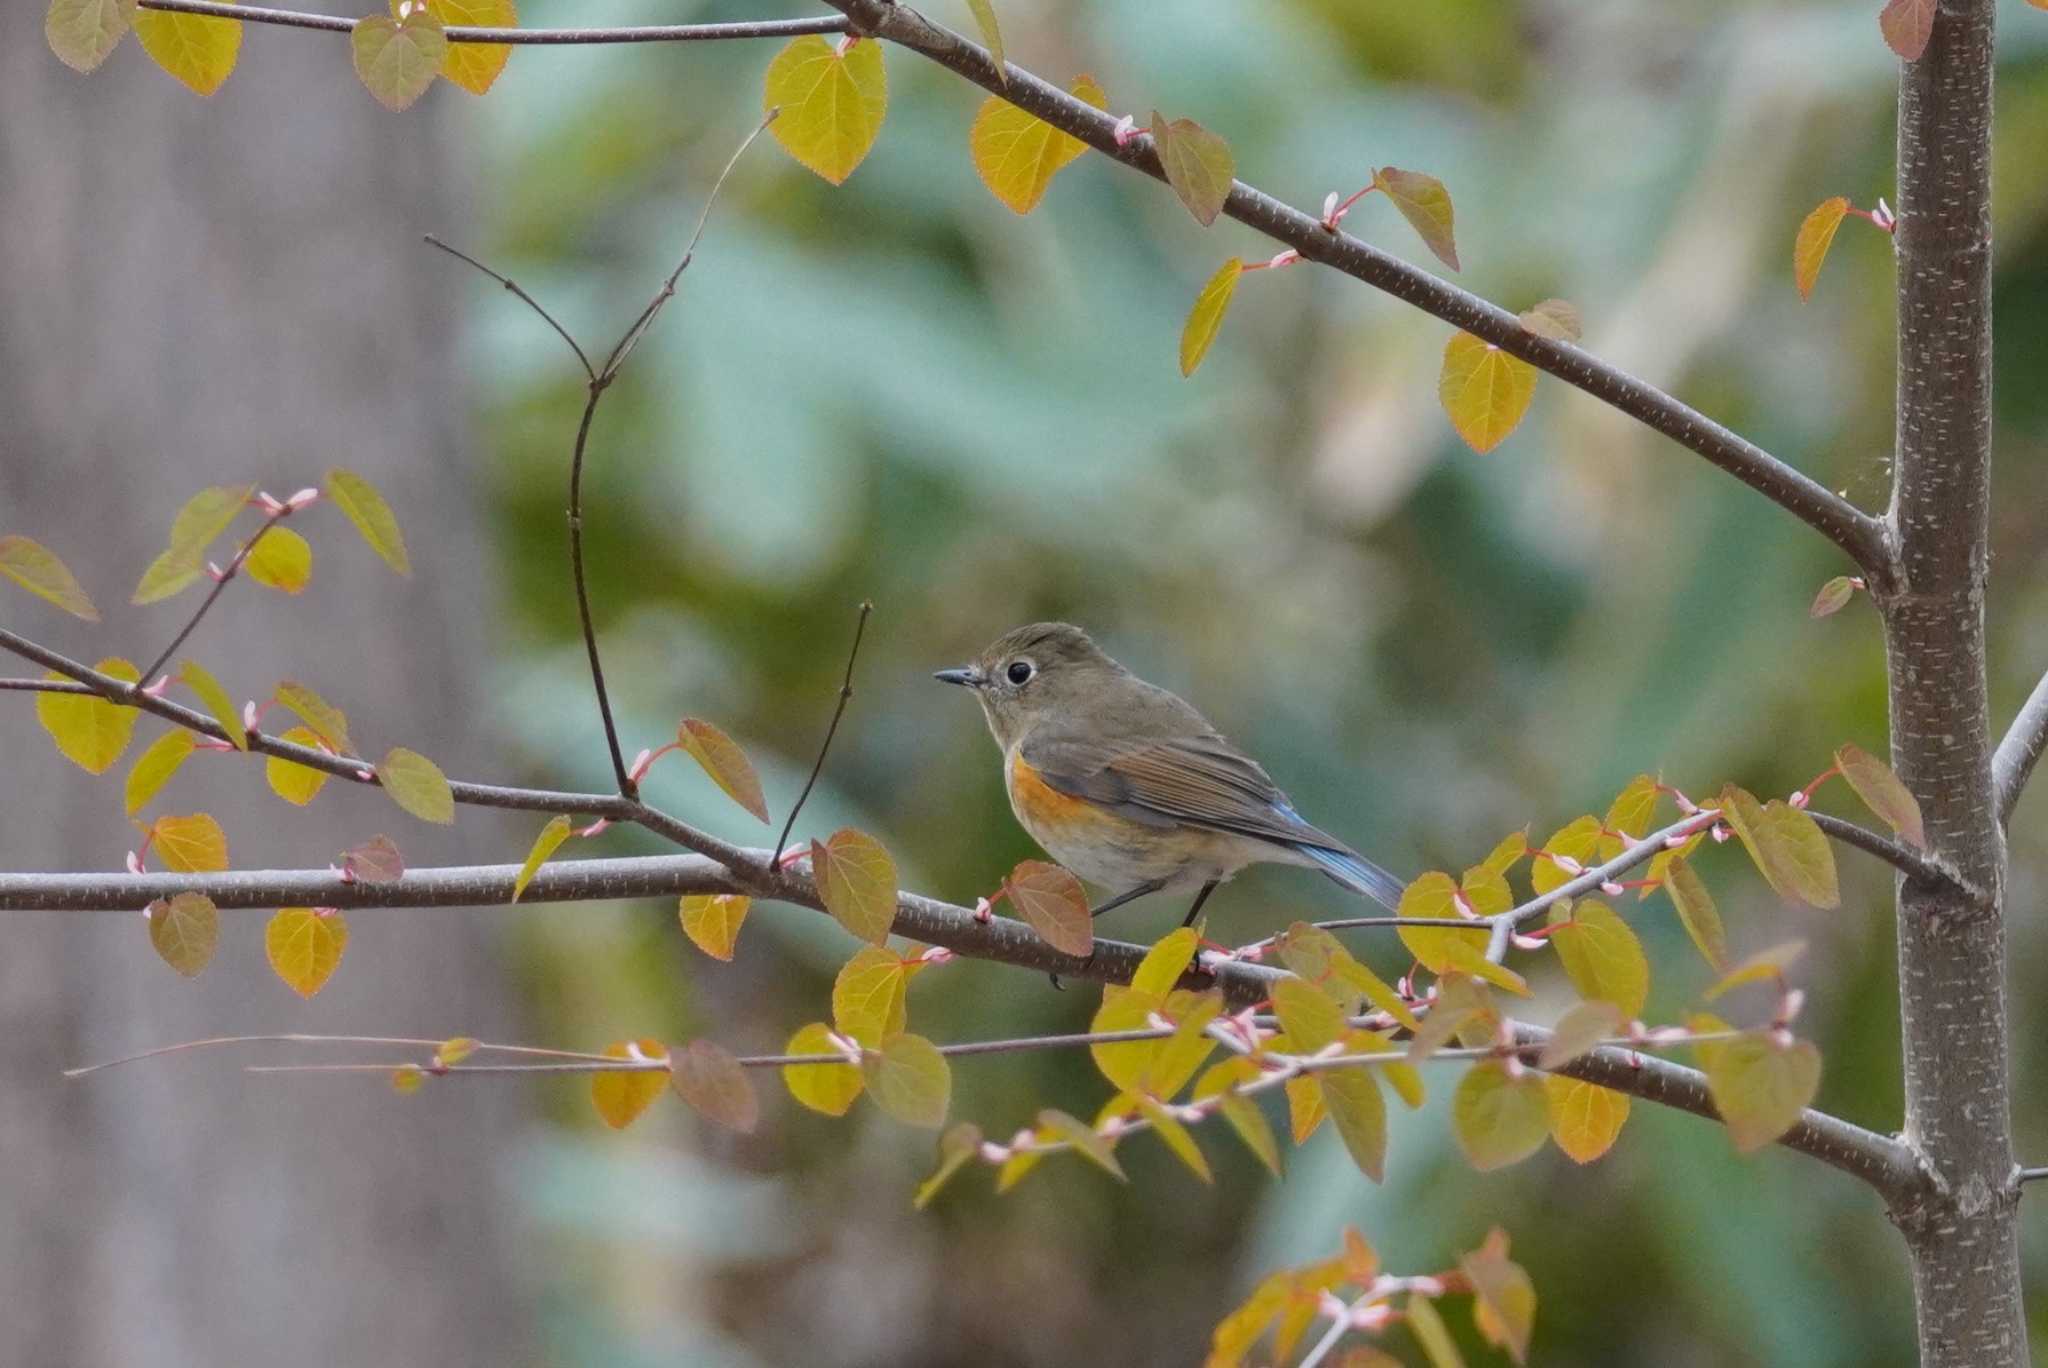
831 729
220 583
520 293
517 37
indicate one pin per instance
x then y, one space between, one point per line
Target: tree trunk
198 292
1963 1238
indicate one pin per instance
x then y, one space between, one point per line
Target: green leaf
282 560
398 59
544 845
620 1095
1352 1097
1242 1113
1460 1001
991 34
725 762
1165 962
832 103
215 699
1053 903
295 783
856 881
359 500
1602 956
1205 319
1581 1028
1585 1118
1197 163
1789 848
1833 597
154 768
957 1146
1696 910
1434 896
868 996
1088 1142
1577 840
199 51
1426 205
83 32
1169 1129
305 947
909 1079
1764 966
90 731
1317 956
1499 1120
706 1076
1484 390
416 784
184 931
1431 1333
37 569
713 920
191 844
328 722
1759 1087
1883 793
827 1088
1017 154
206 514
1311 1018
1177 1057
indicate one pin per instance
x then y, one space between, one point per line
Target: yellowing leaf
199 51
408 1079
1426 205
288 779
1696 910
36 568
1305 1110
455 1049
89 731
281 559
1053 903
544 845
909 1079
215 700
957 1146
1629 815
1242 1113
1883 793
620 1095
1763 966
1315 955
474 66
715 1085
868 996
184 931
1310 1016
1579 1030
991 34
327 721
725 762
416 784
154 768
1788 846
1089 1143
359 500
1556 319
1577 840
1462 1007
1168 1128
1017 154
712 920
1816 235
305 947
1352 1097
1124 1063
83 32
1484 390
192 844
1759 1088
1833 597
827 1088
1499 1120
1177 1057
1434 896
1602 956
1585 1118
206 514
1197 163
856 881
1907 25
1206 318
1504 1300
398 59
832 103
1431 1333
1165 962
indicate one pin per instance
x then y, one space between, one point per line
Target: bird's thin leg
1200 898
1149 886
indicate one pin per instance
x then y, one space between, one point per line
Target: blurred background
898 390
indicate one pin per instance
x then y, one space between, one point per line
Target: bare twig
1906 860
220 582
2014 762
465 33
531 302
831 729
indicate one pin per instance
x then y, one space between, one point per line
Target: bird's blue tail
1357 873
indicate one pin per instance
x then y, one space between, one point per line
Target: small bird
1128 786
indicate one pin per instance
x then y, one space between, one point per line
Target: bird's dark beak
966 676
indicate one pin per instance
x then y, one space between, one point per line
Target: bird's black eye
1020 671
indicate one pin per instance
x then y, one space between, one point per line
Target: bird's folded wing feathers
1195 781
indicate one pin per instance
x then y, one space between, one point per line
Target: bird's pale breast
1114 851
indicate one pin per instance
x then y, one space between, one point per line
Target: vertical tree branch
1952 953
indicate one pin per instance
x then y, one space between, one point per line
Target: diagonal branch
1854 531
2024 741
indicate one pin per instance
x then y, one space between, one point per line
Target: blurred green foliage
899 390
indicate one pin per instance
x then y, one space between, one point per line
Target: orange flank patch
1043 809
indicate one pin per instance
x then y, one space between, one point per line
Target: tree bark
199 292
1962 1237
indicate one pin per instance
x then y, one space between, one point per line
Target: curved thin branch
1906 860
465 33
831 729
1857 533
2013 764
